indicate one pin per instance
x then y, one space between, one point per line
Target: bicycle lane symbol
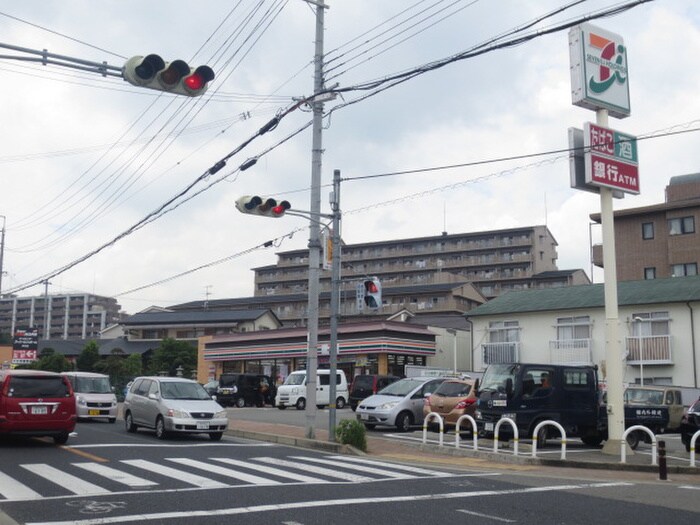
96 507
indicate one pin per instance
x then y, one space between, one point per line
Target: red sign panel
610 158
613 174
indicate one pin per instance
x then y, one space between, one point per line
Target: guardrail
623 443
692 447
433 415
475 433
542 424
515 434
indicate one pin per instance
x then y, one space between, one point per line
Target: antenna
207 293
444 218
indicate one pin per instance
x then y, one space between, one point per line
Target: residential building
659 327
65 316
661 240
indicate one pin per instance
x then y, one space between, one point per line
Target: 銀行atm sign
611 158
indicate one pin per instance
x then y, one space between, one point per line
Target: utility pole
2 250
46 309
314 230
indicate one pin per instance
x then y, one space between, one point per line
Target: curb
327 446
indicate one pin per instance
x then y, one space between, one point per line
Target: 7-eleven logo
611 62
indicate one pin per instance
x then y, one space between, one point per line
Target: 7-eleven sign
610 158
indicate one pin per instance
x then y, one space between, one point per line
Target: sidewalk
449 456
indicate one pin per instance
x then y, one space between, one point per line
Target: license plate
202 426
488 427
40 410
93 412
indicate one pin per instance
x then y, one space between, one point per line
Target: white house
659 328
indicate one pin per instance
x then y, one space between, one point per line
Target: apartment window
650 273
681 225
650 323
569 328
504 332
647 230
683 270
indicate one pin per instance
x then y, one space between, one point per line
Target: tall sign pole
599 81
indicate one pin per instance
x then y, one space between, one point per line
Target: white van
293 392
94 396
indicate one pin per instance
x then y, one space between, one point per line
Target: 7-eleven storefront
380 347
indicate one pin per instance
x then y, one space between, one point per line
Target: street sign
24 346
610 158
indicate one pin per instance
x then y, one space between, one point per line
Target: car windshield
295 379
402 387
496 376
363 382
453 389
227 381
639 396
92 385
183 390
38 386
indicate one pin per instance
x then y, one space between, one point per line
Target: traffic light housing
267 207
176 77
373 293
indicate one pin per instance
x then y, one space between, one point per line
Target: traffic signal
373 293
176 77
267 207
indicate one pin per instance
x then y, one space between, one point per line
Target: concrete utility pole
314 229
2 250
335 296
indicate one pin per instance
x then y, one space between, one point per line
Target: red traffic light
268 207
371 287
177 77
198 80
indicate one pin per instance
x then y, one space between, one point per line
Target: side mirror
213 396
152 396
476 387
509 387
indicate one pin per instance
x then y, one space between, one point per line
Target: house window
683 270
569 328
647 230
681 225
504 332
650 273
648 324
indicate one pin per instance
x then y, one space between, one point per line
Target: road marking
116 475
13 489
690 487
408 468
315 470
166 445
363 468
271 470
248 478
181 475
67 481
237 511
85 455
488 516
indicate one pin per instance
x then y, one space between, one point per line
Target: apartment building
661 240
67 316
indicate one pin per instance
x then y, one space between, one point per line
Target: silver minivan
400 404
94 396
173 405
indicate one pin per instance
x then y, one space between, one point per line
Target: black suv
245 390
690 424
366 385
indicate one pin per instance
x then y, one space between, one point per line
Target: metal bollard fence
662 461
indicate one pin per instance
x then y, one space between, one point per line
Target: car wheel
404 421
687 446
301 404
370 426
129 423
633 440
592 441
240 402
353 406
61 438
340 403
112 419
281 407
216 436
161 433
542 437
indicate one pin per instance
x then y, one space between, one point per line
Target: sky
85 158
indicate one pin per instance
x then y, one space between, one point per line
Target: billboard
599 72
25 344
610 158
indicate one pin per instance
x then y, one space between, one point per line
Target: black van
366 385
245 390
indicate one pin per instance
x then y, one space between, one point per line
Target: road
105 475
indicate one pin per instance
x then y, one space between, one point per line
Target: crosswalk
88 478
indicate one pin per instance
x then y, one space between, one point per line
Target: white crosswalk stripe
87 478
69 482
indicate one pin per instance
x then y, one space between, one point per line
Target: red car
36 403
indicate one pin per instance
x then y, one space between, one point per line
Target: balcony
649 350
571 352
493 353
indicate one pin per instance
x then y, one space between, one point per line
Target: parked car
293 392
365 385
690 424
36 403
238 389
211 387
173 405
649 396
400 404
451 400
94 396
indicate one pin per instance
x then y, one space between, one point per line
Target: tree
172 354
89 357
52 361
